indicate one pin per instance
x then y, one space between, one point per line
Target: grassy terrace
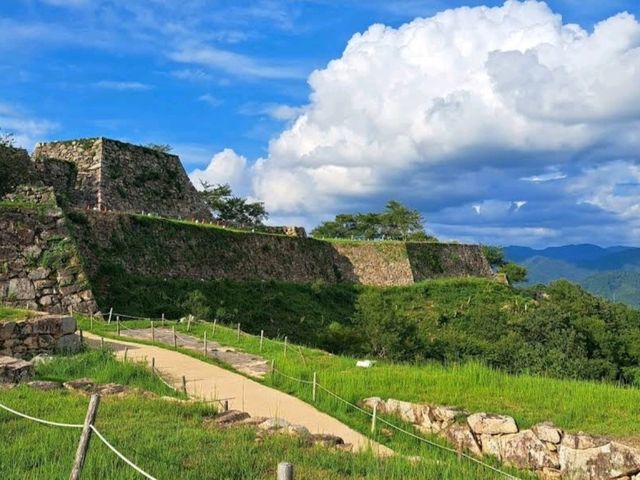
7 313
168 439
594 407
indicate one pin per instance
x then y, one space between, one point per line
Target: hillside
612 272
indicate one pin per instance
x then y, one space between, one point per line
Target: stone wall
46 334
39 265
549 451
162 248
116 176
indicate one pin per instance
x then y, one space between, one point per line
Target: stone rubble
544 448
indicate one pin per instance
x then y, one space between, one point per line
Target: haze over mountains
612 272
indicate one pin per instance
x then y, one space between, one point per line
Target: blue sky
233 80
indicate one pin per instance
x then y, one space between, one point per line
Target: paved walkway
209 382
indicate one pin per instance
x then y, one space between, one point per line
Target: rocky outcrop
14 370
39 264
45 334
544 448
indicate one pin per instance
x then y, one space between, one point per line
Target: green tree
494 255
515 273
196 304
395 222
230 208
160 147
7 139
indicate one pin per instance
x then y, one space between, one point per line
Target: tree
494 255
230 208
160 147
395 222
7 139
515 273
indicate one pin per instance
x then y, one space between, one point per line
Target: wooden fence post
153 364
83 445
101 343
81 338
184 384
126 351
205 344
285 471
315 386
91 321
163 319
175 339
153 331
373 418
238 330
110 314
189 323
213 329
285 346
118 324
261 338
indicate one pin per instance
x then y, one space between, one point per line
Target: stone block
460 435
611 460
13 370
21 289
547 432
68 343
40 273
492 424
525 450
68 325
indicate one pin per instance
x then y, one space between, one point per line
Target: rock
110 389
525 450
407 411
68 343
68 325
374 401
230 417
327 440
21 289
39 273
611 460
14 370
490 445
7 329
298 431
445 414
491 424
45 385
273 424
83 384
41 359
550 474
47 300
460 435
547 432
581 441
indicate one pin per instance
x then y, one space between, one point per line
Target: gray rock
611 460
547 432
273 424
45 385
460 435
68 325
298 431
68 343
14 370
525 450
581 441
492 424
374 401
21 289
230 417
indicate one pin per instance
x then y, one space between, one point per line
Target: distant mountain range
612 272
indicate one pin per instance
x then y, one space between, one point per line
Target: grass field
7 313
171 440
594 407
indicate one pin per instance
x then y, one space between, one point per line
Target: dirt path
210 382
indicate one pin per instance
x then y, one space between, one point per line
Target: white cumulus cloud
225 167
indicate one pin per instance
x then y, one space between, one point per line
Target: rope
122 457
39 420
299 380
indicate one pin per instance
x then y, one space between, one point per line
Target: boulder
230 417
490 445
83 384
547 432
582 441
327 440
45 385
407 411
460 435
491 424
21 289
525 450
7 330
68 343
14 370
68 325
611 460
446 415
298 431
273 424
377 402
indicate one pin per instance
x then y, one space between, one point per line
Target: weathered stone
525 450
407 411
490 445
7 329
547 432
581 441
446 415
40 273
68 325
45 385
68 343
273 424
376 402
230 417
604 462
21 289
550 474
83 384
460 435
327 440
298 431
492 424
14 370
47 301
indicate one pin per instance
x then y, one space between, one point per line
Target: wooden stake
81 338
213 330
175 339
110 314
238 330
189 323
91 321
184 384
315 385
101 343
126 351
373 418
285 346
118 324
163 319
285 471
273 363
153 364
85 438
261 338
153 331
205 344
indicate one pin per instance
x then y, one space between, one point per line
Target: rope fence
315 385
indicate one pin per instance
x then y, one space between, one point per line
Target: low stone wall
46 334
549 451
14 370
